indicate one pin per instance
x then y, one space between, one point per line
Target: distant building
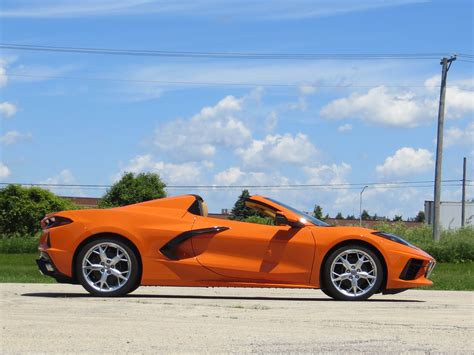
450 214
87 202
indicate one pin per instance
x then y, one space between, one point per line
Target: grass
449 276
22 268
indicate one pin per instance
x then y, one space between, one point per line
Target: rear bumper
47 268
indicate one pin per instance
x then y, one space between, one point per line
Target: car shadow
202 297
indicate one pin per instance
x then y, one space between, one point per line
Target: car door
250 252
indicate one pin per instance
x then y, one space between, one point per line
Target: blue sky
336 121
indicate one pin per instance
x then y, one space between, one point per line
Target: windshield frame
311 219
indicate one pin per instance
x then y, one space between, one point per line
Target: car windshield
312 219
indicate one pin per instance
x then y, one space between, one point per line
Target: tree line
22 208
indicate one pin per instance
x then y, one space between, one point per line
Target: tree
318 212
22 208
420 217
133 188
397 218
365 215
339 215
350 217
240 211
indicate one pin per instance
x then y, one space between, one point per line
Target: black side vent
411 269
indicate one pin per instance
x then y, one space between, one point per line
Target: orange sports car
173 242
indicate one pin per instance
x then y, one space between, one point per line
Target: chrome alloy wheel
106 267
353 272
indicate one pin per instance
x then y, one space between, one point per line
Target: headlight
430 268
394 238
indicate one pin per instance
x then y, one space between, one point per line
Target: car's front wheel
107 267
352 273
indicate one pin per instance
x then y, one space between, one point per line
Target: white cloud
459 102
458 136
301 104
278 149
459 95
4 171
229 176
327 174
11 137
402 108
406 161
433 83
8 109
271 121
306 89
379 105
248 9
345 128
305 75
65 176
171 173
198 137
236 176
3 74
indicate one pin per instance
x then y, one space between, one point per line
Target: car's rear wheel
352 273
108 267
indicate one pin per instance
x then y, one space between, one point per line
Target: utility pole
463 202
446 63
360 205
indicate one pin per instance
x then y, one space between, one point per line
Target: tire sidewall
131 284
330 289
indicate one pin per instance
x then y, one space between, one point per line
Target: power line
168 82
226 55
402 184
230 188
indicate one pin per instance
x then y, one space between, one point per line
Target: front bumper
47 268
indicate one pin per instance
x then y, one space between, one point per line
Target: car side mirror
282 220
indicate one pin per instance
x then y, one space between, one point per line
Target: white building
450 214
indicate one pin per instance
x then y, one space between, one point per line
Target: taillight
54 221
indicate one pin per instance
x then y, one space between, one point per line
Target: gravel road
64 319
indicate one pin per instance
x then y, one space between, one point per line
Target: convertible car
173 242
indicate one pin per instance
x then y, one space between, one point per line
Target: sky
75 118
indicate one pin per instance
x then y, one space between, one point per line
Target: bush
259 220
133 189
22 208
455 246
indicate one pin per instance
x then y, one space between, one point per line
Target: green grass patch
23 268
19 245
449 276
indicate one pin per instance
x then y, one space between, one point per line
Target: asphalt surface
42 318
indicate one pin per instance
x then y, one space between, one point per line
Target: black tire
370 282
91 278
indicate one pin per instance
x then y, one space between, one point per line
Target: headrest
204 210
